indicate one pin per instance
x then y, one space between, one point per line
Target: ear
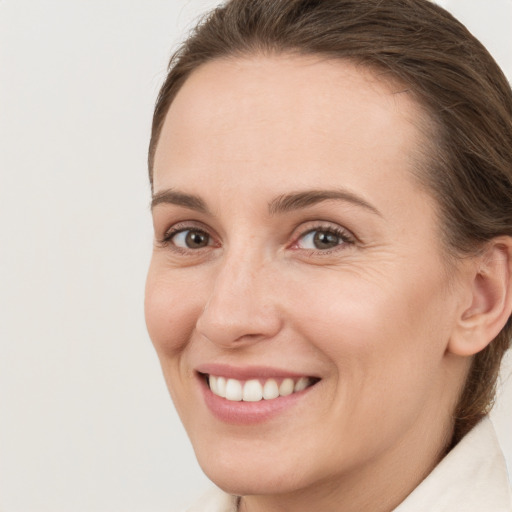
490 300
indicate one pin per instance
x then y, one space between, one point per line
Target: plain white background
85 420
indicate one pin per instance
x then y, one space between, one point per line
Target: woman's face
294 248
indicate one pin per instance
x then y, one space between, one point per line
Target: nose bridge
240 305
238 277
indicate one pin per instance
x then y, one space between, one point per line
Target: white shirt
471 478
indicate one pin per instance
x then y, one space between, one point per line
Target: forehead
286 112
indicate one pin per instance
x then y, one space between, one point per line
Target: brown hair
448 71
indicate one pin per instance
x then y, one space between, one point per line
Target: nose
241 307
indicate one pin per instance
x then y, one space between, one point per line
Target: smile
255 390
252 394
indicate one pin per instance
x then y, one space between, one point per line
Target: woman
330 292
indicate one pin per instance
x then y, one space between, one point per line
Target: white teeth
270 389
301 384
252 390
212 381
234 390
221 387
286 387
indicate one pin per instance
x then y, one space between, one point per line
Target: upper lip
247 372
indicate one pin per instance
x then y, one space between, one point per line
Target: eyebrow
300 200
170 196
281 204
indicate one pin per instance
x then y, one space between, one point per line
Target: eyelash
346 238
167 239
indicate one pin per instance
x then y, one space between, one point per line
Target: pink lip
248 372
247 413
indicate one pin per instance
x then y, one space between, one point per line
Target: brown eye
325 240
322 239
191 239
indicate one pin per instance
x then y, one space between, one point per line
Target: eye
322 239
189 239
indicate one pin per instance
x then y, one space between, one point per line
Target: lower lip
249 413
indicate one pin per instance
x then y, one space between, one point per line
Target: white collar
471 478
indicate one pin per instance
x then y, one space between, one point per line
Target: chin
262 466
244 480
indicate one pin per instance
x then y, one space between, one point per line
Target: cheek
379 334
171 312
385 354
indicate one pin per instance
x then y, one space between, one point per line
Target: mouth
251 395
257 389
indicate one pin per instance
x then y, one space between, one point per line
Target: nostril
239 325
239 308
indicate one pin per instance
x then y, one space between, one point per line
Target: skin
373 317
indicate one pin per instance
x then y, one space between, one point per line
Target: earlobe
491 300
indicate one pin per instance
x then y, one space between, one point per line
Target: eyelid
187 225
348 238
